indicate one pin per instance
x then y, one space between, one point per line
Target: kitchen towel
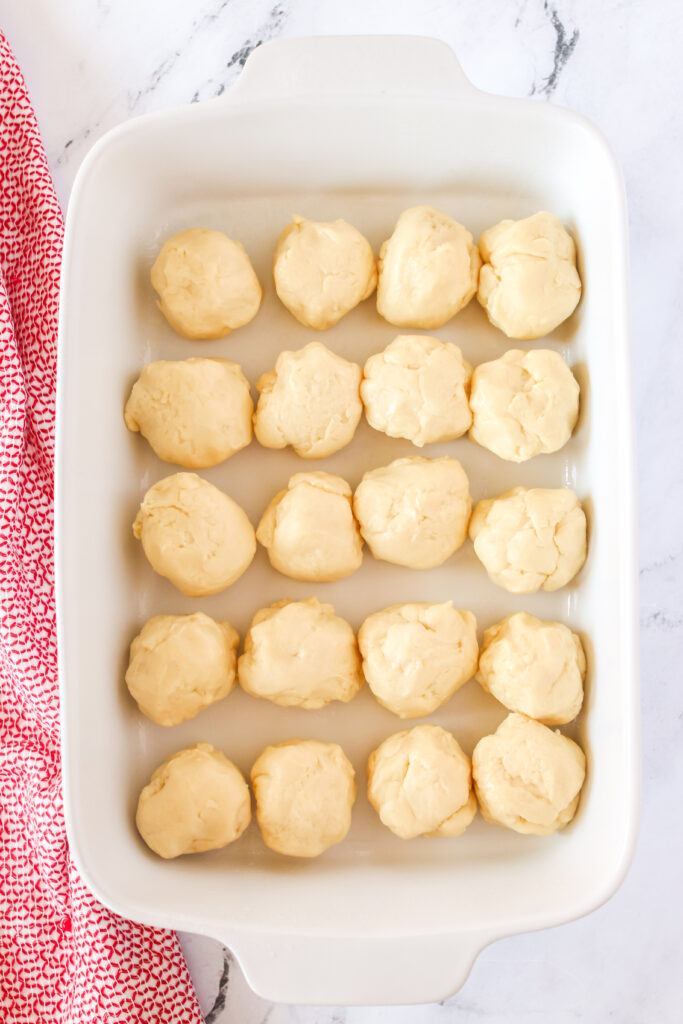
64 957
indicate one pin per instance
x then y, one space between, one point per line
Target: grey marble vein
564 48
270 28
222 994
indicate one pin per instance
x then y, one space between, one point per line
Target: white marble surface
93 63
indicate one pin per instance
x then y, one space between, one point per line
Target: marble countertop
91 64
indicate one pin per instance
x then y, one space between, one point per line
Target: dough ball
534 667
206 285
415 656
528 283
530 538
179 664
309 529
528 777
300 654
195 412
311 400
323 270
420 783
524 404
414 512
304 794
196 800
417 388
428 269
194 534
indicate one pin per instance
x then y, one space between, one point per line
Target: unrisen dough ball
206 285
414 512
323 270
311 400
196 412
300 654
194 534
179 664
428 269
196 800
528 283
415 656
528 777
420 783
524 404
309 529
417 388
304 794
534 667
530 538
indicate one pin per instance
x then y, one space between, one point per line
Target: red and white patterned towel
64 958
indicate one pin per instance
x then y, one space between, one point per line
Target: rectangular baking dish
358 128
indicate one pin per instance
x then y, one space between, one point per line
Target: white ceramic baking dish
358 128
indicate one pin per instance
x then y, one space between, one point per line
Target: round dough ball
428 269
415 656
179 664
311 400
417 388
309 529
194 534
524 404
534 667
300 654
323 270
304 793
528 283
420 784
414 512
196 800
195 412
530 538
206 284
528 777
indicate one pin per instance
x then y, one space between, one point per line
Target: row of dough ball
199 412
415 512
301 654
523 273
526 777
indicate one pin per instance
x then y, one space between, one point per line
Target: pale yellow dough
428 269
414 512
535 667
179 664
195 412
528 777
418 388
196 800
311 400
524 404
415 656
309 529
304 793
420 783
528 283
322 270
206 284
300 654
194 534
530 538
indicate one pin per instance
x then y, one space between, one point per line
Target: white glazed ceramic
358 128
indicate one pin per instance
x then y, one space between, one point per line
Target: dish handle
358 970
350 66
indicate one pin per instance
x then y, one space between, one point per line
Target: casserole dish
359 128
